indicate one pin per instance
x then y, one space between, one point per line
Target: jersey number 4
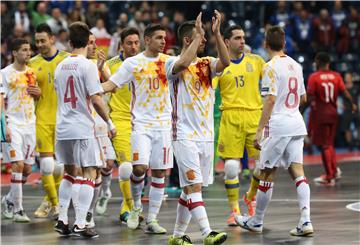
70 92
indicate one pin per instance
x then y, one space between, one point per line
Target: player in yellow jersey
241 110
44 65
120 114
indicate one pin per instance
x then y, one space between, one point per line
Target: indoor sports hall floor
333 222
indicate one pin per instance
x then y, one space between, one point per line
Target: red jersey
324 86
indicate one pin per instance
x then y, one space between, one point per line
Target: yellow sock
46 198
127 197
254 185
232 189
57 179
49 186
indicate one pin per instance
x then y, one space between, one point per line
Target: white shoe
43 210
247 223
8 208
305 230
154 228
338 173
101 205
55 212
21 217
90 223
133 220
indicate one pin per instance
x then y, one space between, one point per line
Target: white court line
354 206
224 199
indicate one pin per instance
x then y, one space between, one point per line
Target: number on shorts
104 149
70 89
293 86
166 159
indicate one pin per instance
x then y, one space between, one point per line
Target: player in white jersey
20 89
283 86
193 124
151 123
77 85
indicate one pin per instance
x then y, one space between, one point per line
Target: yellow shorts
45 138
121 142
237 131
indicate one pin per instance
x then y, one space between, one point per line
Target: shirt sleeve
213 63
169 66
92 80
123 75
269 84
341 84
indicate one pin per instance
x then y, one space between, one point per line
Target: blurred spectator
6 19
62 40
262 52
115 41
21 17
178 19
57 21
90 15
303 30
281 17
39 15
353 24
75 15
122 20
18 32
99 30
5 54
170 35
137 22
173 51
324 33
338 14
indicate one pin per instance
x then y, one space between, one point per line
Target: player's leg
141 149
97 189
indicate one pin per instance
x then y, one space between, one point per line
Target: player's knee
125 170
59 169
232 168
47 165
139 170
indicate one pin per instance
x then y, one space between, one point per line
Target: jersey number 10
70 89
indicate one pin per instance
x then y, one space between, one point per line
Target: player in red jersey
323 88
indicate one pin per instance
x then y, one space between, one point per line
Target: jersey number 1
70 89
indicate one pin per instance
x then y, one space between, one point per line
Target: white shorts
281 151
22 146
195 162
107 148
152 148
83 153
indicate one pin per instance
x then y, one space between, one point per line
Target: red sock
326 155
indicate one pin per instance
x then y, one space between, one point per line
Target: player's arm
348 96
121 77
34 91
102 67
190 53
223 54
100 108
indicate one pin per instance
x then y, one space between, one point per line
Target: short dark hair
275 38
43 27
151 28
17 43
185 30
79 34
229 31
127 32
322 59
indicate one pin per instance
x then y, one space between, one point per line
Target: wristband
110 125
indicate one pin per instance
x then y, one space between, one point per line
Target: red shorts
323 134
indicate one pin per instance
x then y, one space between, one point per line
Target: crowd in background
310 27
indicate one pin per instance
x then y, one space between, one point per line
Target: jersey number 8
293 87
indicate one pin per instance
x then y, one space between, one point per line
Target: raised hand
198 25
101 58
216 21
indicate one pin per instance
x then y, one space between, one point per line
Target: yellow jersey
44 69
120 100
240 83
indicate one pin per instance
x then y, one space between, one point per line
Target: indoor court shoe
231 220
338 173
101 205
21 217
215 238
55 212
62 229
184 240
8 208
153 227
90 223
43 210
322 180
305 230
251 204
124 217
247 223
133 219
83 232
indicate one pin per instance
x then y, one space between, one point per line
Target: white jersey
20 109
2 89
193 99
150 100
283 78
101 128
76 79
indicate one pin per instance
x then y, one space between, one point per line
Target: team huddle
81 113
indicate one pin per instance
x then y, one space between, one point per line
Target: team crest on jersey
221 147
135 156
249 67
228 73
190 174
39 69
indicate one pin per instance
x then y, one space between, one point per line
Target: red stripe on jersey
158 185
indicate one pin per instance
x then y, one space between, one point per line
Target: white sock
75 193
24 179
9 196
303 194
263 197
156 195
65 190
16 191
96 194
183 216
196 206
86 194
106 183
137 184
